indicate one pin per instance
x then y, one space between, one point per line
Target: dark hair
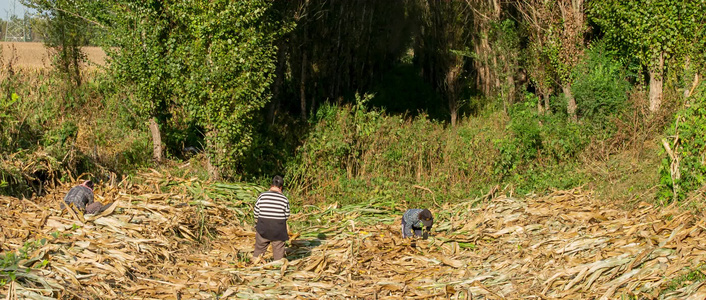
88 183
278 181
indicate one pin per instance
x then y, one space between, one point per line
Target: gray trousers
262 243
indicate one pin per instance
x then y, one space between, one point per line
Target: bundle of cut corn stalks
191 243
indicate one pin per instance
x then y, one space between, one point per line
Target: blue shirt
411 219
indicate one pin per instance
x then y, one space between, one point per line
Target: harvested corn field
37 55
175 238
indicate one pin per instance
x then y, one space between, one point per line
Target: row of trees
231 67
488 47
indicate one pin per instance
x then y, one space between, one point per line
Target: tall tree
695 44
651 31
225 61
556 30
495 48
66 33
142 36
215 59
444 34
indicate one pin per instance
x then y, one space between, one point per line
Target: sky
6 6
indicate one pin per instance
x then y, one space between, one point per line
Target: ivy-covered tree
651 31
695 43
214 59
142 38
556 34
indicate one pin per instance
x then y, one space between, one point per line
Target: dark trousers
262 243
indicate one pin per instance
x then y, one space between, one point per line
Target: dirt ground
36 55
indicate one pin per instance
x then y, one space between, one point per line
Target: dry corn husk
155 245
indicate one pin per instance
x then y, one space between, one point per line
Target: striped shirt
272 205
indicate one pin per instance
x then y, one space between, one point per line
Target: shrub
355 155
536 147
687 139
601 86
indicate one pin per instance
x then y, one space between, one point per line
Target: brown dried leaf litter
565 245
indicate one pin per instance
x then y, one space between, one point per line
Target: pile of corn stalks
175 238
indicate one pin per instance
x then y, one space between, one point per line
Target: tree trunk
453 107
570 102
694 84
547 109
540 108
451 83
510 89
302 86
212 154
656 82
156 140
278 82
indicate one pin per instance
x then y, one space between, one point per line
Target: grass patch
692 275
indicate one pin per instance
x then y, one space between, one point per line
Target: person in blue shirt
414 220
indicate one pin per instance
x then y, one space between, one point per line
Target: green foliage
645 28
353 155
139 44
689 131
225 70
537 147
11 263
693 275
335 144
601 86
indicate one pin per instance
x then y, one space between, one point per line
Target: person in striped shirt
271 213
413 220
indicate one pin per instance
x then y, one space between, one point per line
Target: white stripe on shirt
272 205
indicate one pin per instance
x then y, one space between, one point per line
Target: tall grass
354 154
79 129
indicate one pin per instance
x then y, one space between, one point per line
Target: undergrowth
18 265
53 131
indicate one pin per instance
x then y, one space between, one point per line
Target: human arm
257 208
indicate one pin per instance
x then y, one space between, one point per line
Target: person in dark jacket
80 195
414 219
82 198
271 212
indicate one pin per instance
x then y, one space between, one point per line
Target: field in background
36 55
